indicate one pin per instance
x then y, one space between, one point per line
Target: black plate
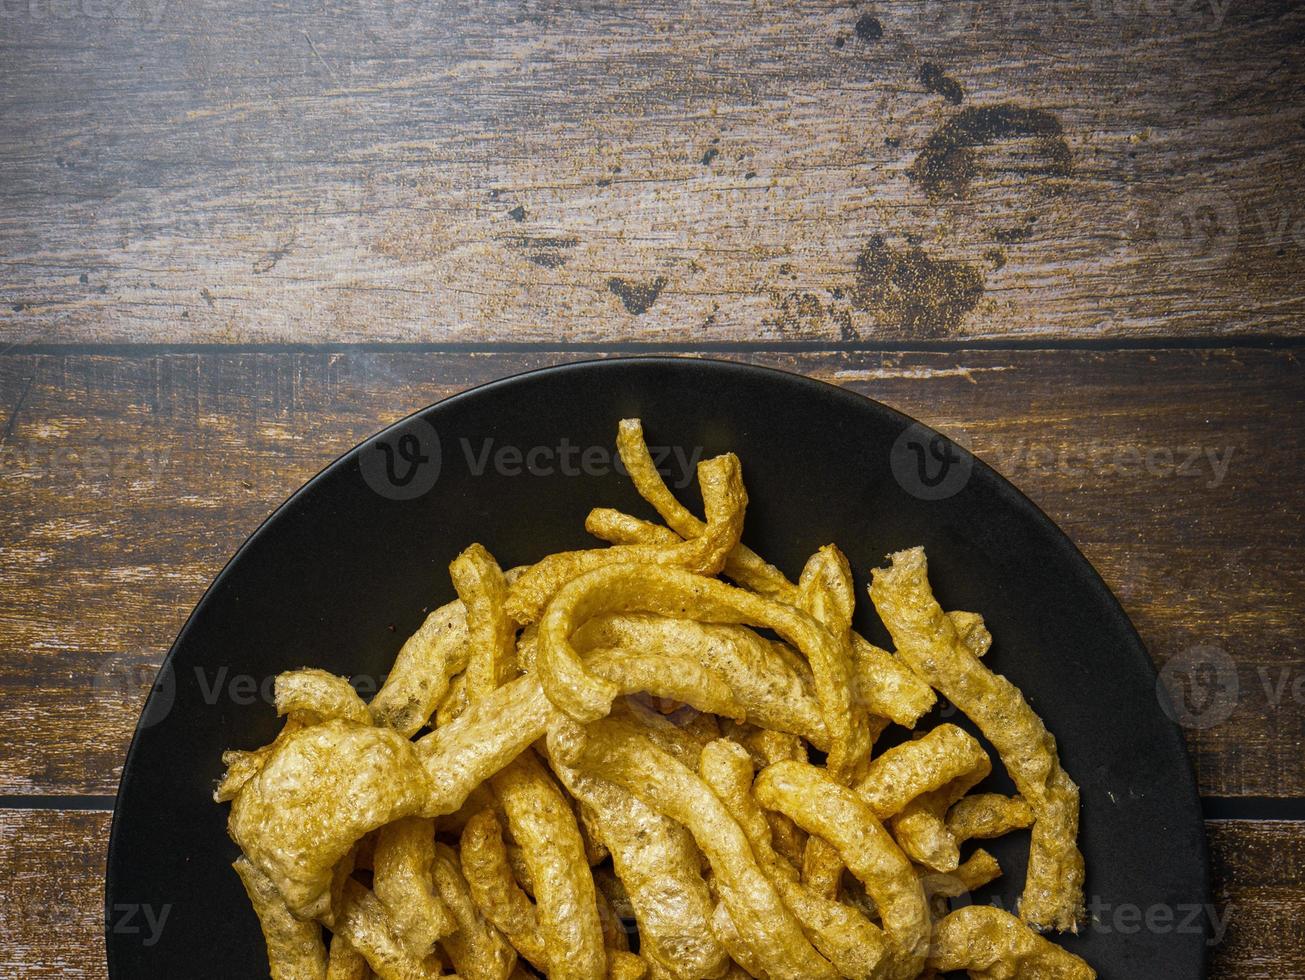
342 573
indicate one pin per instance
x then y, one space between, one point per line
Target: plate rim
1012 495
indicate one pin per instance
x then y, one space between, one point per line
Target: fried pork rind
927 640
495 890
990 944
345 962
320 790
310 697
491 634
656 692
242 766
477 949
420 676
295 950
401 871
364 922
542 823
675 592
618 752
770 691
725 500
824 808
658 879
920 829
853 944
742 564
987 815
886 687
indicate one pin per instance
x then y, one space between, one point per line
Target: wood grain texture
127 481
660 172
52 903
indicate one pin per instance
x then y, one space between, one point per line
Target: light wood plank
225 170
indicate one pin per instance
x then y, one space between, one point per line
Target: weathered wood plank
225 170
127 481
52 911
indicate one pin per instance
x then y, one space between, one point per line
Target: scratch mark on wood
13 414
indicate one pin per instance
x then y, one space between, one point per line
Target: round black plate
344 571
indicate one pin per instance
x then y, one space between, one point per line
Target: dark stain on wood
868 28
547 252
518 213
937 82
927 296
709 156
947 165
636 297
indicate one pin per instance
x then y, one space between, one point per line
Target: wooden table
237 237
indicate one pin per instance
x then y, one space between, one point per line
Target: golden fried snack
658 881
491 634
742 564
927 640
494 890
320 790
972 631
987 815
990 944
454 701
656 692
680 678
626 966
617 527
295 950
477 949
542 823
242 766
886 687
855 946
401 879
772 694
675 592
618 752
310 697
977 870
725 500
907 771
920 829
345 962
420 675
825 590
364 922
823 807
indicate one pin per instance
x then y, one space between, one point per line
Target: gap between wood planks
1217 342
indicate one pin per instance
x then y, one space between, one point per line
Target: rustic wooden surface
236 238
707 172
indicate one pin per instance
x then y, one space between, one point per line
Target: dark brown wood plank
127 481
52 867
1258 875
225 170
